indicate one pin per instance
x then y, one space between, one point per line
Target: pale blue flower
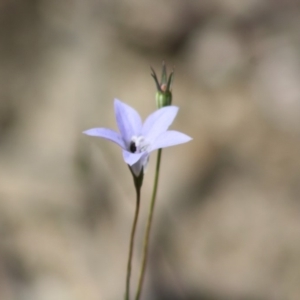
138 140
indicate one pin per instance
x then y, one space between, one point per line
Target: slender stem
137 208
148 227
138 180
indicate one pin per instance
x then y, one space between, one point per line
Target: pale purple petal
170 138
128 120
158 122
137 168
107 134
132 158
140 164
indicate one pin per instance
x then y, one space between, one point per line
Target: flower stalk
148 227
138 181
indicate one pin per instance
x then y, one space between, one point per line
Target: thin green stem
136 214
138 184
148 227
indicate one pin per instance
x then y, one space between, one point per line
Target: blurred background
227 220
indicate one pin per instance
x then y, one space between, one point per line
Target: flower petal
170 138
107 134
128 120
140 164
158 122
137 168
131 158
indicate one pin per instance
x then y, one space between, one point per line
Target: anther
132 147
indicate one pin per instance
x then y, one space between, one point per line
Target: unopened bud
164 93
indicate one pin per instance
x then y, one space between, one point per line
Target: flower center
132 147
138 144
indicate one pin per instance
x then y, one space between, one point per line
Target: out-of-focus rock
215 55
152 25
276 80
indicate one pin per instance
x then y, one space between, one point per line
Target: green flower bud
164 93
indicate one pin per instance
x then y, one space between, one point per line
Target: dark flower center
132 147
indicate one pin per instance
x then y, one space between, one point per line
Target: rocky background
227 221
